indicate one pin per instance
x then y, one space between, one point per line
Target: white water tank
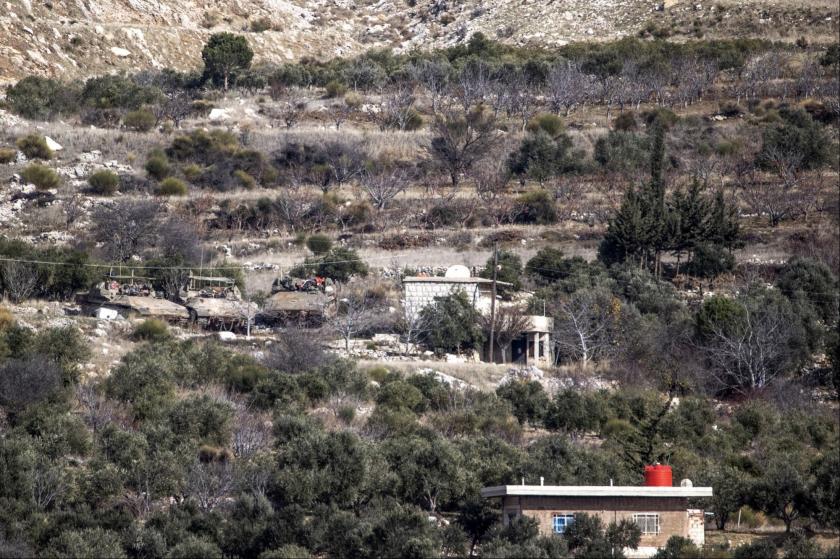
686 483
457 271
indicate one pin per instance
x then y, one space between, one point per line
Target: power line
829 296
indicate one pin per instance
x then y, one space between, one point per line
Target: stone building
532 347
660 512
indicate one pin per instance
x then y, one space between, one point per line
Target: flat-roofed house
532 347
660 512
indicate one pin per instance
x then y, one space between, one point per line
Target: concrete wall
673 513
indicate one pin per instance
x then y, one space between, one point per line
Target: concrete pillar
548 354
536 337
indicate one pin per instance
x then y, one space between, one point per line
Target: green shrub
192 171
157 165
414 121
536 207
141 120
34 146
319 244
41 176
42 98
549 123
245 180
104 182
172 187
7 155
116 91
347 413
626 122
261 24
335 89
151 330
378 373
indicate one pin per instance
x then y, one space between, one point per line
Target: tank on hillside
130 296
216 302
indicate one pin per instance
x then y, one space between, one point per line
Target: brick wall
673 512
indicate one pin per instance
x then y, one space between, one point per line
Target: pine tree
627 233
693 212
724 229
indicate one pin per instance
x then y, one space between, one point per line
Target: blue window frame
562 521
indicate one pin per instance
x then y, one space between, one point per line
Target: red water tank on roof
658 475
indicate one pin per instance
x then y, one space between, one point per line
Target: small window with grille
648 522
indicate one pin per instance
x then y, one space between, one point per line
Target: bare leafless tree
567 86
97 410
568 191
491 177
251 434
749 356
296 351
126 227
209 483
290 108
509 323
462 139
73 210
435 76
382 185
49 483
356 312
585 324
19 280
345 108
177 106
396 108
777 199
472 84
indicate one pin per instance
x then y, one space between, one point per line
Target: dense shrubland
189 448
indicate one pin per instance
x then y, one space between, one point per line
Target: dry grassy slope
83 37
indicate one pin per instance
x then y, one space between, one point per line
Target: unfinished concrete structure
531 347
421 291
660 512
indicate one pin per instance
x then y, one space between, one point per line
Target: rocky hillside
83 37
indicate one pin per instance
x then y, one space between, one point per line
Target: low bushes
41 176
7 155
172 187
151 329
104 182
141 120
34 146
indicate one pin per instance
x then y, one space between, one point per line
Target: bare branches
383 185
396 108
19 280
510 321
209 483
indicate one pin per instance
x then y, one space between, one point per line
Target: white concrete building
533 347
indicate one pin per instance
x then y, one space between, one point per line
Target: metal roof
594 491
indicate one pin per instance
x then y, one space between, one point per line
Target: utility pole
493 301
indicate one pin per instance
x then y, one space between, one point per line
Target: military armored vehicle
130 296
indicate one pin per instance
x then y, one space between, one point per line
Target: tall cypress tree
724 229
655 213
627 233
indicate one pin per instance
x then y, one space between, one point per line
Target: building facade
660 512
532 347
